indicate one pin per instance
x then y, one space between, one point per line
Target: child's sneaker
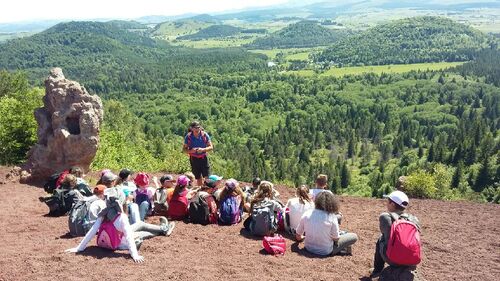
346 251
168 228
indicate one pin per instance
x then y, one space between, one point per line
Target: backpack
404 245
190 136
161 206
78 219
178 206
54 181
142 196
61 201
199 212
230 210
263 222
275 245
84 189
108 236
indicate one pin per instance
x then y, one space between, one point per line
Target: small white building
271 64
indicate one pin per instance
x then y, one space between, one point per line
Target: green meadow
378 69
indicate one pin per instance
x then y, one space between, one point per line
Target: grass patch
378 69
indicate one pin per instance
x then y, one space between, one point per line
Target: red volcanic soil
461 241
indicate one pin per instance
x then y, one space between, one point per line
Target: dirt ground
461 241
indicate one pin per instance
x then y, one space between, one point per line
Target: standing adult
196 144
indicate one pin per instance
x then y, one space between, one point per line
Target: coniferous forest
440 129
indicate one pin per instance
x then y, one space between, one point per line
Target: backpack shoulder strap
204 137
394 216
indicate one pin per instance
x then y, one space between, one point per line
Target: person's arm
92 232
385 222
156 183
334 230
208 148
300 230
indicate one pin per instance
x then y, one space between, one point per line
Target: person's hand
139 259
71 250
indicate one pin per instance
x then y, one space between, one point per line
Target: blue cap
215 177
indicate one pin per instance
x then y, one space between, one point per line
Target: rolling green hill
172 30
299 35
413 40
107 58
214 31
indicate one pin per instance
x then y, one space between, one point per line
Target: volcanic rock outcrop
68 127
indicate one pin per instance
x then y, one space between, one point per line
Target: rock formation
68 127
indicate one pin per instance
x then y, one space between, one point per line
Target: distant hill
299 35
107 58
122 24
413 40
202 18
175 29
214 31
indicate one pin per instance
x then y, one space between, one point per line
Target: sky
31 10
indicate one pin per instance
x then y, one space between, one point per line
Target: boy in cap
396 204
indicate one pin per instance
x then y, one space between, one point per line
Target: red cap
142 179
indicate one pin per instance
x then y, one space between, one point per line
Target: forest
299 35
437 128
413 40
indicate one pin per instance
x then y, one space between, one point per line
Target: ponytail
303 194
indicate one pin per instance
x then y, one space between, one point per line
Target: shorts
200 167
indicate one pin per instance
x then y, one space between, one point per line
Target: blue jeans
144 209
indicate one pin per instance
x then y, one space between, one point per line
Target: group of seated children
312 216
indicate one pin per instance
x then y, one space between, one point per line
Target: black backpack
51 183
84 189
198 210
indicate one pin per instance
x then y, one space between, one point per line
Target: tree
345 176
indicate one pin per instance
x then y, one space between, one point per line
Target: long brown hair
234 192
327 202
303 193
178 189
264 191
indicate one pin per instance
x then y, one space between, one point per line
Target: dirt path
461 241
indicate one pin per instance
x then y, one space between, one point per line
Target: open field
378 69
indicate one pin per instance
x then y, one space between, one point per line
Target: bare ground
461 241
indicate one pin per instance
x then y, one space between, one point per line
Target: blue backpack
141 197
230 210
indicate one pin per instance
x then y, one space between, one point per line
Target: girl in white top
132 235
321 228
298 206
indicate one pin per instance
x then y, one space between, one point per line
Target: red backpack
404 245
178 206
275 245
108 236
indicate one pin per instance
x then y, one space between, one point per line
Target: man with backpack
399 245
196 144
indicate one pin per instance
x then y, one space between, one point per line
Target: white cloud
27 10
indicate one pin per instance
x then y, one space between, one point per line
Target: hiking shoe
375 273
138 243
163 221
346 251
168 228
